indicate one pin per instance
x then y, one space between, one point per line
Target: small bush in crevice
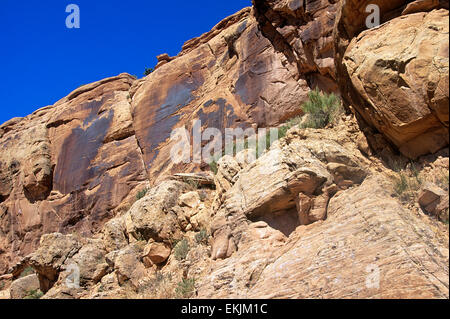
191 182
160 286
141 194
186 288
407 183
323 109
148 71
34 294
442 181
202 237
27 271
181 249
213 167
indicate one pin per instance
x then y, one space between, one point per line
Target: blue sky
42 61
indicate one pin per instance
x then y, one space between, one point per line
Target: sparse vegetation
27 271
160 286
34 294
174 241
148 71
407 183
202 237
101 288
442 181
213 167
409 179
181 249
191 182
322 109
186 288
141 194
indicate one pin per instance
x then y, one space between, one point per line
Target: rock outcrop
74 165
369 247
68 167
400 85
91 200
22 287
353 239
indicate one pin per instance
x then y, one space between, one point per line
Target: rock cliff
89 180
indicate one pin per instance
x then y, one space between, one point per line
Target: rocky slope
313 217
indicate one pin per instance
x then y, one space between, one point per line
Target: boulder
399 86
433 199
91 263
53 252
420 6
114 234
151 217
21 288
128 266
189 200
156 252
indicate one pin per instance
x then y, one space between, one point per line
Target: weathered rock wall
72 166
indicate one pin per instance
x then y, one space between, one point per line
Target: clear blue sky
42 61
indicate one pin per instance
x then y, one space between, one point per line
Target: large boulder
53 252
400 85
115 234
91 263
434 200
127 264
403 81
22 287
157 253
152 216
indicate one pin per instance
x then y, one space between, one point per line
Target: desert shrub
148 71
322 108
442 181
202 237
191 182
407 183
34 294
27 271
141 194
213 167
160 286
185 288
181 249
174 241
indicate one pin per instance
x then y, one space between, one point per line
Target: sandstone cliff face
73 165
68 167
244 72
314 214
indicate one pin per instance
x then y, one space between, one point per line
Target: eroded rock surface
313 217
400 85
74 165
367 236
